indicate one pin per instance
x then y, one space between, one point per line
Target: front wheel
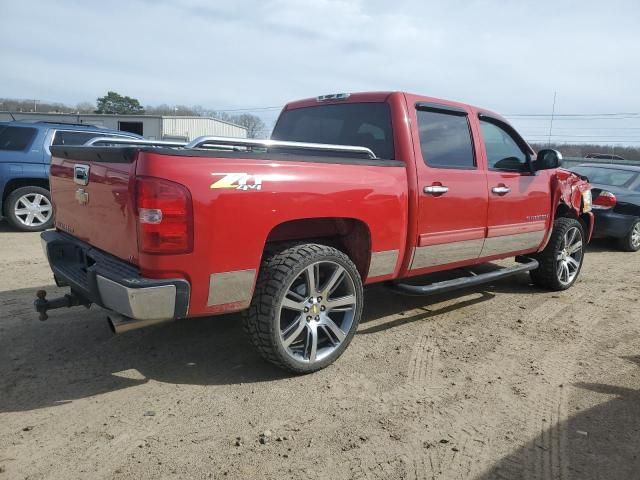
306 307
561 260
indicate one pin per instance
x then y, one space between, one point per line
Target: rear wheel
306 307
29 209
631 243
561 260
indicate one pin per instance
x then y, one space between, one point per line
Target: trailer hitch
41 303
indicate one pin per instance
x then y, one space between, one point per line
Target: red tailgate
102 212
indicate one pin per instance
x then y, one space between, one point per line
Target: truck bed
233 217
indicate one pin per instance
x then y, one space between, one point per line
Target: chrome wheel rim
569 257
317 312
33 209
635 236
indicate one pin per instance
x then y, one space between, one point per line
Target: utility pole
35 105
553 112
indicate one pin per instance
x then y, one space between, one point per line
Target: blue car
24 167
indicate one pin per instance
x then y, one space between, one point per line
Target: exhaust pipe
121 324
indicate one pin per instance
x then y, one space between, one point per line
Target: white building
153 127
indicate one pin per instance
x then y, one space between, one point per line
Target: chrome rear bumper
113 284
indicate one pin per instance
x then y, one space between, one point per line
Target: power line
570 119
572 114
544 140
529 127
253 109
546 116
587 136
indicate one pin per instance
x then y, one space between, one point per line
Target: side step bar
465 282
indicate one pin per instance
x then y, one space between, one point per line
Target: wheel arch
16 183
586 220
351 236
562 210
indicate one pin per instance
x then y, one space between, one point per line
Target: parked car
351 190
616 202
24 167
604 156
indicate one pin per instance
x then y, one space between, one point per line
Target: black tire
278 274
21 222
630 243
547 274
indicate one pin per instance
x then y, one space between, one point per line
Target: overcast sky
507 56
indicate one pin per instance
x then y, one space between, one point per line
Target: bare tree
29 105
179 110
85 107
256 128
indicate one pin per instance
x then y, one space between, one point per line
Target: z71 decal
238 181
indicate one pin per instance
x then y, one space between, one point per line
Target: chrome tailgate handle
501 190
436 189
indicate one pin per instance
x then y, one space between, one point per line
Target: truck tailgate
93 197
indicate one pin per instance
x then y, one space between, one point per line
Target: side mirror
548 159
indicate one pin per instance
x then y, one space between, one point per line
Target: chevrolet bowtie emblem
82 196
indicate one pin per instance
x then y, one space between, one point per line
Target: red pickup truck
352 189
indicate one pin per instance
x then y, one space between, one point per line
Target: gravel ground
501 382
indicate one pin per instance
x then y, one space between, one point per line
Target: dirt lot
505 382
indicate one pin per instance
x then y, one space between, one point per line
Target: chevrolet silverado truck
351 190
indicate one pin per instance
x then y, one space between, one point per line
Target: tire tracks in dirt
544 408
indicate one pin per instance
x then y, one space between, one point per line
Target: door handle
501 190
436 190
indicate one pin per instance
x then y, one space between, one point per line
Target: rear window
359 124
607 176
16 138
445 140
73 138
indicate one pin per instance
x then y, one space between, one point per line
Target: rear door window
445 139
73 138
16 138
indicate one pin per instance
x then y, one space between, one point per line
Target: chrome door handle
501 190
436 189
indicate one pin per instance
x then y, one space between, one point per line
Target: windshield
359 124
607 176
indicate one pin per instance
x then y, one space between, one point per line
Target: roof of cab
372 97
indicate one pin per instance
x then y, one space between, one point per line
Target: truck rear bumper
112 283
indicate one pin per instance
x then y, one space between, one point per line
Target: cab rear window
16 138
359 124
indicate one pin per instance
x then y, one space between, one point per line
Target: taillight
165 216
604 201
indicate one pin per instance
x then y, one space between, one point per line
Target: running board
527 264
